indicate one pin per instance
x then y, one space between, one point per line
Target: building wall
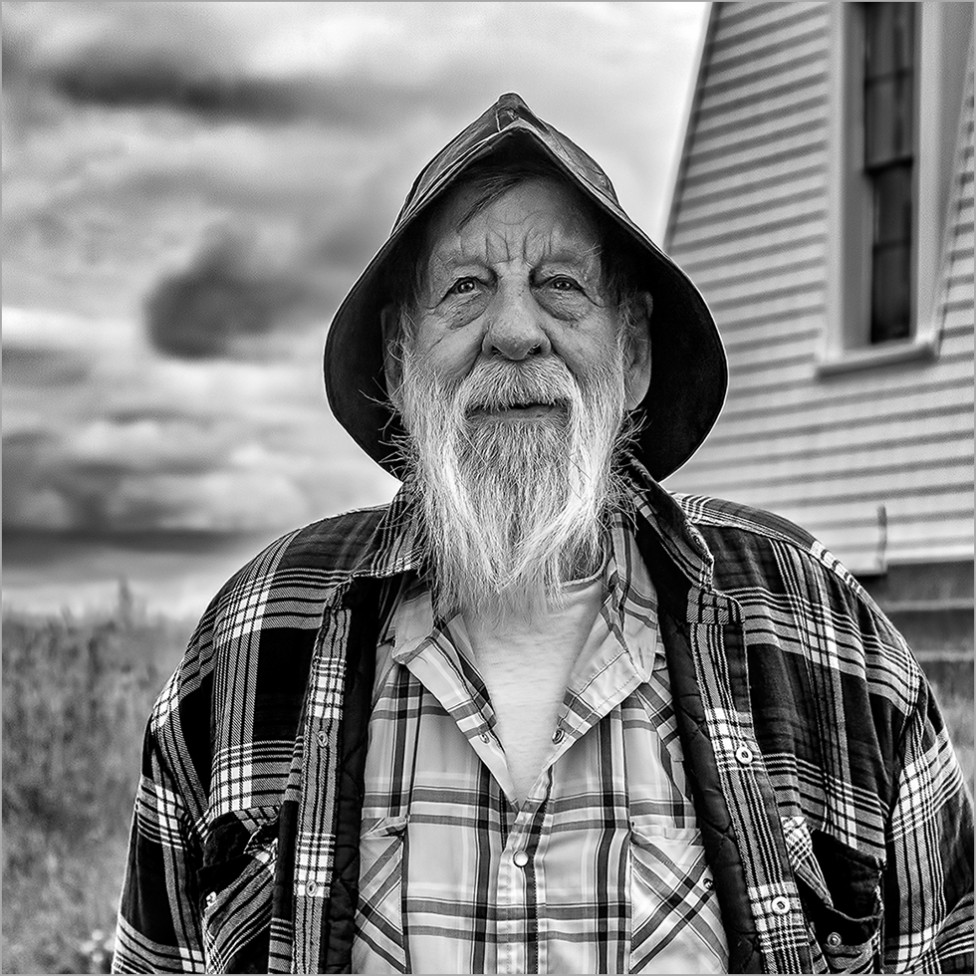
749 223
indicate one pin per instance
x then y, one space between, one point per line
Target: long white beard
512 508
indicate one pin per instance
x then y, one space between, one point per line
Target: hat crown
510 107
508 117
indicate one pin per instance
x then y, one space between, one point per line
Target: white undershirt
526 666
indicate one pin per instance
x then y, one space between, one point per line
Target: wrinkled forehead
545 213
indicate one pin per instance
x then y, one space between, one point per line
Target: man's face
513 385
521 280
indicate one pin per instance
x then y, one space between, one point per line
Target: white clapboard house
823 204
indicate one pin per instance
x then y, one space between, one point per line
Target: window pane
890 36
889 148
891 309
888 116
893 205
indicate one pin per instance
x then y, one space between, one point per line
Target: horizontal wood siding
879 459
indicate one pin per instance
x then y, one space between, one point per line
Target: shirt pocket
676 923
840 891
380 944
235 886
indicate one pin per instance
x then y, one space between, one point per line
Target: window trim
846 346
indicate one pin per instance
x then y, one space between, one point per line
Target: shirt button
557 736
485 737
323 738
520 858
780 905
744 755
709 883
833 940
311 889
211 898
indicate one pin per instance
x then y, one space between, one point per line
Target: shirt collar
617 655
395 547
660 511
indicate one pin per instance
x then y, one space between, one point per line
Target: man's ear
637 351
392 352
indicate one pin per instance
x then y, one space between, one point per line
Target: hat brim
689 373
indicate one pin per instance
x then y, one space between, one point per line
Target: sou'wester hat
689 371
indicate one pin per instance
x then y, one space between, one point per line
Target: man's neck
526 666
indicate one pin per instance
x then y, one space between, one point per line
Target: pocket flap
383 826
235 886
234 841
235 832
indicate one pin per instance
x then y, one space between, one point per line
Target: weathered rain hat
689 370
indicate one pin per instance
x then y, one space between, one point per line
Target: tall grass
956 703
76 695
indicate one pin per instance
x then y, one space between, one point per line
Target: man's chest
577 877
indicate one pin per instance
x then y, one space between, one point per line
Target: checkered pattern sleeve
929 882
159 927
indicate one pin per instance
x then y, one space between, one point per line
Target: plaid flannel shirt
614 877
832 808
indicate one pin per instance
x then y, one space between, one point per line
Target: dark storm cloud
82 498
191 58
43 491
24 444
90 49
355 103
243 288
177 56
48 550
96 76
228 297
40 367
11 58
109 472
125 473
26 453
128 416
28 499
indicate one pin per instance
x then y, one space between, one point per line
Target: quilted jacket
835 819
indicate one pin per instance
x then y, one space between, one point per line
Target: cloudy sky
188 191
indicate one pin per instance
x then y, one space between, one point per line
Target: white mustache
497 386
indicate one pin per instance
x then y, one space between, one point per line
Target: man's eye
563 284
465 286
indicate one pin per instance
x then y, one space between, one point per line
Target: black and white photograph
488 487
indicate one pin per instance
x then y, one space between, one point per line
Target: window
889 154
890 171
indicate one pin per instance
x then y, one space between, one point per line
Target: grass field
76 695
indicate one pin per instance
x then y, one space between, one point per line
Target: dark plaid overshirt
831 804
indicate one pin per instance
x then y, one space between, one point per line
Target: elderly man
539 715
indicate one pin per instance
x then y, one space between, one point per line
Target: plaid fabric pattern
615 878
842 795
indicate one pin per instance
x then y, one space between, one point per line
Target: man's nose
515 329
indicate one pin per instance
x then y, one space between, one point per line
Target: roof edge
691 113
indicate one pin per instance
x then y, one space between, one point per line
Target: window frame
846 341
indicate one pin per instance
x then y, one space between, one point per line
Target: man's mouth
529 410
